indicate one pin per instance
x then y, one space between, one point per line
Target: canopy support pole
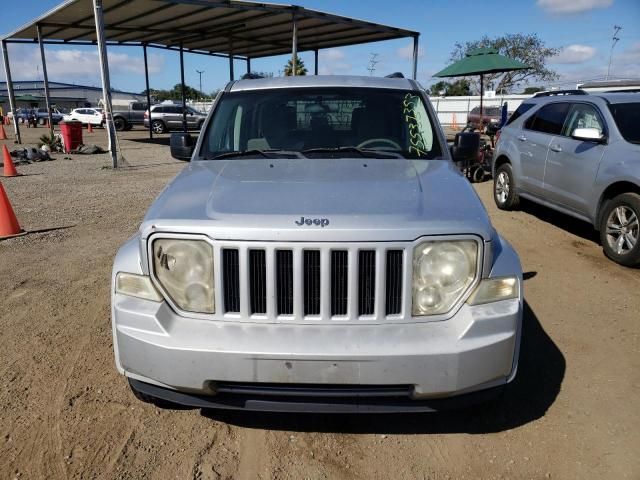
182 90
231 73
315 62
12 98
294 47
98 13
146 79
414 74
481 95
248 65
47 96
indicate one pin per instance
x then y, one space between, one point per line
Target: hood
343 199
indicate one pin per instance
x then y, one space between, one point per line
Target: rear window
626 117
521 110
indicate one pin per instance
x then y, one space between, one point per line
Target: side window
138 106
158 110
582 115
549 119
521 110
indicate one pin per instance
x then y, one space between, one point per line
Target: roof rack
394 75
553 93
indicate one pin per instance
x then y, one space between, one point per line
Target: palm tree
300 68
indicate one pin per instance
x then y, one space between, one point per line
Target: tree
532 90
300 68
176 93
527 48
458 88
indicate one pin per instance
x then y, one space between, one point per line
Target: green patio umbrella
478 62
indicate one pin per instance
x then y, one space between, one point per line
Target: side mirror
588 135
465 147
182 146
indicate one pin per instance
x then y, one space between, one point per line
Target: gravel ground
571 413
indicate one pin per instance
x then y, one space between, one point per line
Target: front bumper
474 350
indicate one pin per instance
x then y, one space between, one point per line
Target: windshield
322 122
626 117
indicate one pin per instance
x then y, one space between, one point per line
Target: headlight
184 268
442 273
495 289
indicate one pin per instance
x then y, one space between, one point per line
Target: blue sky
582 28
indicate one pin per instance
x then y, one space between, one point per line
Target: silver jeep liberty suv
320 252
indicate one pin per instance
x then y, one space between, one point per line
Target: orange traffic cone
455 122
89 128
8 222
9 167
3 134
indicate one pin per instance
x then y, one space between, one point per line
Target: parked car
126 114
580 155
490 116
165 117
321 252
41 115
94 116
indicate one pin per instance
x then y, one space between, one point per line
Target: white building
30 94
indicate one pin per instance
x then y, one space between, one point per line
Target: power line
373 61
615 39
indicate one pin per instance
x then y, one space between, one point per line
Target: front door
572 165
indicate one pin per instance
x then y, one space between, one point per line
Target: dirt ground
573 412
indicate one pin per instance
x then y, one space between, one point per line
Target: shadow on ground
153 141
527 398
568 223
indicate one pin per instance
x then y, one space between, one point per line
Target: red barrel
71 135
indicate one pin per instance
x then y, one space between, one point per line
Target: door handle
555 148
522 138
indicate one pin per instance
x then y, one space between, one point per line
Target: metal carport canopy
238 28
234 29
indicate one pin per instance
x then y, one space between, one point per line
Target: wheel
120 124
477 174
619 229
504 192
158 126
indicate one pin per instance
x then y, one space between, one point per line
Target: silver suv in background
166 117
320 252
580 155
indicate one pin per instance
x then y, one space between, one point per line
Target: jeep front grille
321 282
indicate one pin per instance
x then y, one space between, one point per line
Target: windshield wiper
271 153
365 152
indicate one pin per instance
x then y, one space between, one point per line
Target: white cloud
333 62
76 66
406 52
631 54
564 7
332 54
574 54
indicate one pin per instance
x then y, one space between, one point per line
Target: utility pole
615 39
200 72
373 61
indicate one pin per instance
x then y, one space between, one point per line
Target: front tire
158 126
120 124
619 229
504 191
